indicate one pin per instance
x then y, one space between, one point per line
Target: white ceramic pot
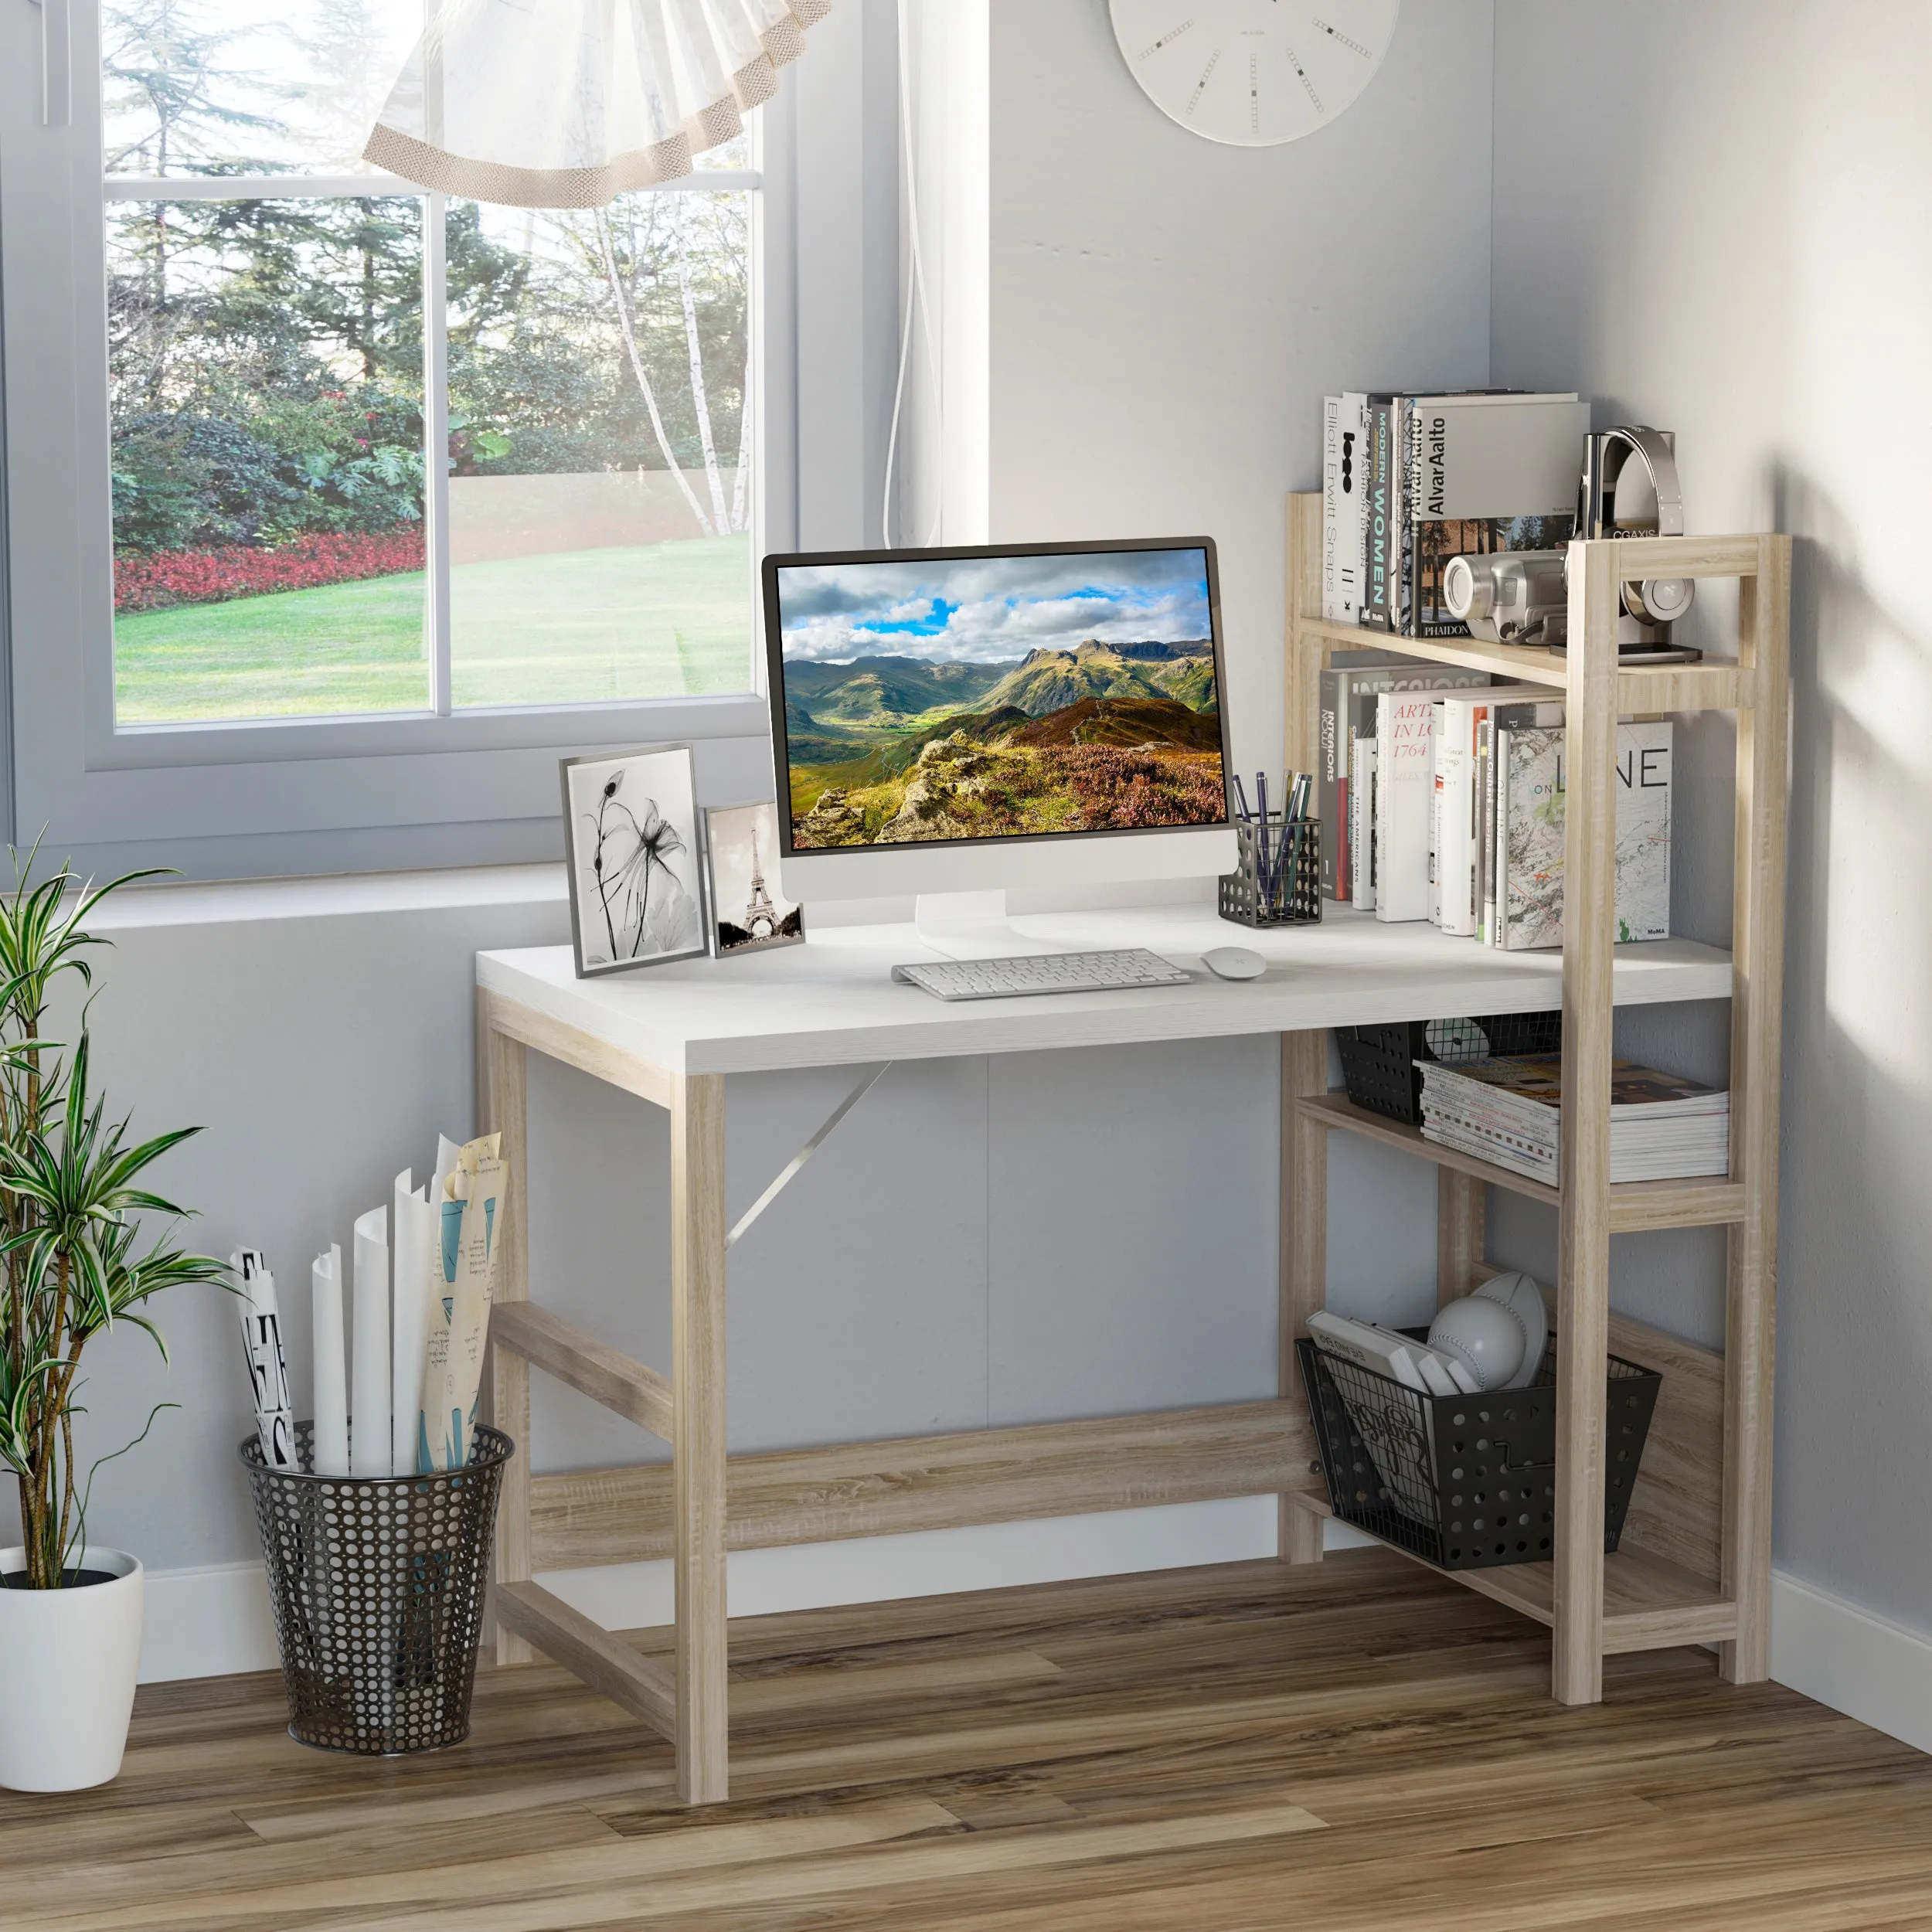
68 1661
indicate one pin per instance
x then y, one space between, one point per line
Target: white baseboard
1875 1671
214 1621
211 1622
207 1622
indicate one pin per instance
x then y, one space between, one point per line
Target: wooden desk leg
502 1108
698 1431
1304 1249
1582 1293
1462 1206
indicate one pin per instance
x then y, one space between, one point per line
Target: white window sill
342 895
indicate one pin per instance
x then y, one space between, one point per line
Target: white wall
1715 218
1167 313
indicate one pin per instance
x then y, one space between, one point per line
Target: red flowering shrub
162 579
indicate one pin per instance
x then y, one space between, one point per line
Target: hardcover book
1353 677
1530 815
1461 758
1478 472
1344 487
1405 790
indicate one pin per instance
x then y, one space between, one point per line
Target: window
378 452
336 511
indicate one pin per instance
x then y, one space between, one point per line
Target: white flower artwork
631 832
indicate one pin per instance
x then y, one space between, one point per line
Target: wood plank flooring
1357 1746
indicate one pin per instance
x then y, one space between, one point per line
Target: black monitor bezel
775 681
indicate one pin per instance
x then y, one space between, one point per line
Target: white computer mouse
1233 962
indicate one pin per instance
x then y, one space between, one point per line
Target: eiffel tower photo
761 916
738 837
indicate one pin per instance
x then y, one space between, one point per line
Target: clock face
1252 73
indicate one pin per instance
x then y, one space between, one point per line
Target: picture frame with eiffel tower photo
748 913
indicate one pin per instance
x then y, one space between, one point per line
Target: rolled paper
412 1251
447 1154
267 1366
330 1447
459 1319
369 1409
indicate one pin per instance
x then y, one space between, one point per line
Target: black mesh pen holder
1279 881
378 1584
1378 1062
1465 1481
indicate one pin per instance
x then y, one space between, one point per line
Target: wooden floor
1360 1745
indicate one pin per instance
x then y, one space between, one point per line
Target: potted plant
72 1264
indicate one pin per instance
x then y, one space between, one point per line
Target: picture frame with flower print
632 848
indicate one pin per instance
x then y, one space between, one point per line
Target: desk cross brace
789 1173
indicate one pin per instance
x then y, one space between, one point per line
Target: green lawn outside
659 619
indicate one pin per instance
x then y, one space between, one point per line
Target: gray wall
1032 1237
1714 218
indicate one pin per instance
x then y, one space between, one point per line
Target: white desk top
832 1002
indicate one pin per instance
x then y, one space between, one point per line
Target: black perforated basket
377 1583
1468 1481
1378 1062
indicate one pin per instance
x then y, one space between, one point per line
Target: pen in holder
1279 881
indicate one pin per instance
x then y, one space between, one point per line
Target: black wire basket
1280 887
1378 1062
1467 1481
377 1585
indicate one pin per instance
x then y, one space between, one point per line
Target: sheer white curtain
565 103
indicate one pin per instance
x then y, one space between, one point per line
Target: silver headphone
1654 600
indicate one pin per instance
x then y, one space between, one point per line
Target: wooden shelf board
1649 1603
1713 685
1707 1202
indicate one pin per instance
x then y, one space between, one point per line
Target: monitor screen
933 698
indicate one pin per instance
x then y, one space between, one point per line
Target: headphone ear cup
1660 600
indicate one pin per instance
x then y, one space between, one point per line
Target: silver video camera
1510 596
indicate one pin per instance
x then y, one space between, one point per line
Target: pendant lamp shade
567 104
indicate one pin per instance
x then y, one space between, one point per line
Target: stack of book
1409 481
1662 1127
1442 796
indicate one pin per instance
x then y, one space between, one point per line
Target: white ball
1483 1336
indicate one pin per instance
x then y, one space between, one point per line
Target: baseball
1483 1336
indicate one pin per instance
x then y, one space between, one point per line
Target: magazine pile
1662 1127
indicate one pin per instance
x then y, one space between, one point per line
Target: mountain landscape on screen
967 731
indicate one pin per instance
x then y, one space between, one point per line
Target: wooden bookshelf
1695 1562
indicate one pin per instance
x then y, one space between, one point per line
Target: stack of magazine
1662 1127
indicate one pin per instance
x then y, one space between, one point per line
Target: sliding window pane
247 86
266 367
600 464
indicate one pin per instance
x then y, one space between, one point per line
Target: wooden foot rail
591 1367
642 1685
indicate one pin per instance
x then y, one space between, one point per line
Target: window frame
388 790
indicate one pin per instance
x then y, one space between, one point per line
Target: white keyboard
1042 973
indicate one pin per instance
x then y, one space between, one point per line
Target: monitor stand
972 926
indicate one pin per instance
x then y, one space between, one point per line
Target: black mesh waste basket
377 1583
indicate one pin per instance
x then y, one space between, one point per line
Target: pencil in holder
1279 879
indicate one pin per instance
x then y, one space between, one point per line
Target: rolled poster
411 1253
267 1366
330 1451
369 1442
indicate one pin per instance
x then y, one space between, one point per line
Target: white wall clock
1252 73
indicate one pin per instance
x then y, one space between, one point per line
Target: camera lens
1461 590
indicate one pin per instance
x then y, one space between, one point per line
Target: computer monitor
1009 715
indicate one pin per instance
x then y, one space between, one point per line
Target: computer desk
672 1034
